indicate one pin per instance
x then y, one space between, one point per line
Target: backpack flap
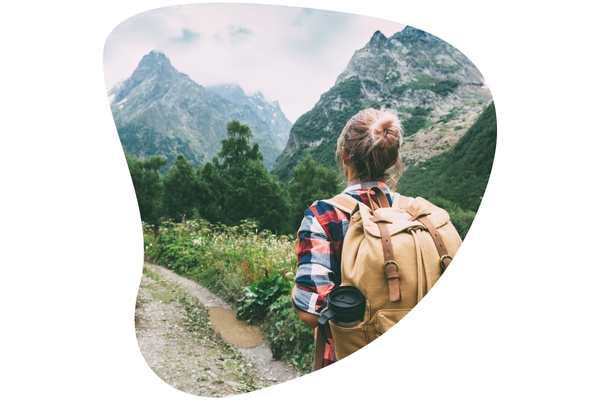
420 207
395 220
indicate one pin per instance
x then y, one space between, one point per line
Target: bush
258 297
248 268
444 88
290 338
417 120
413 124
224 258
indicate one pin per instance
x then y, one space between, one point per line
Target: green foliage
211 193
140 140
321 132
232 187
460 175
258 297
445 87
224 258
290 338
312 126
180 190
413 124
148 186
250 192
310 181
450 116
236 148
417 120
421 111
249 268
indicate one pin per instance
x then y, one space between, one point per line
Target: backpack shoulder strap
343 202
403 202
445 258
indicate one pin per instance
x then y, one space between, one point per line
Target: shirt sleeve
314 276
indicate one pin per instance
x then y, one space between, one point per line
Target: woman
368 152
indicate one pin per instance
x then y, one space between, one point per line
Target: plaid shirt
319 249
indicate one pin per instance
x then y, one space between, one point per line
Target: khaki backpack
393 255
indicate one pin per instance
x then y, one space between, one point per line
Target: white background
515 317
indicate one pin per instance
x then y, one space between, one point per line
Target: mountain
436 91
263 116
457 178
161 111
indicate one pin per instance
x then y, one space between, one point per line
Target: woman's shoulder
318 208
321 216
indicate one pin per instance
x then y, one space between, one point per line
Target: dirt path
191 339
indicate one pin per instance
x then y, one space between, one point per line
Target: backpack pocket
384 319
348 339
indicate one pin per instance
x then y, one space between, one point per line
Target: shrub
290 338
247 267
418 119
258 297
224 258
444 88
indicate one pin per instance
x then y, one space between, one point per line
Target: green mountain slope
161 111
436 91
456 179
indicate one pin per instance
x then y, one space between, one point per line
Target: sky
290 54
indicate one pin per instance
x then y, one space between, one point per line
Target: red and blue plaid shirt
319 250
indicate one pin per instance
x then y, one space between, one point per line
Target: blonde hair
370 144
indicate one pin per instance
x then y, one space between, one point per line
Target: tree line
233 186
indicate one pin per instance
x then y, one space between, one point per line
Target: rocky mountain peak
435 90
378 40
154 66
154 63
161 111
230 91
409 34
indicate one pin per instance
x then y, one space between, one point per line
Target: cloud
290 54
238 34
186 36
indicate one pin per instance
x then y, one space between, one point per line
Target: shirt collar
357 186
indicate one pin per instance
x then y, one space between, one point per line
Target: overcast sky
290 54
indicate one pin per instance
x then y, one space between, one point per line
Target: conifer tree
180 190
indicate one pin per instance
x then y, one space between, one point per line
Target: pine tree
310 181
180 190
148 186
211 193
249 191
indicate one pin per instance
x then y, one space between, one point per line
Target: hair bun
370 143
386 130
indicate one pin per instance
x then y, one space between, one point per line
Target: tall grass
253 270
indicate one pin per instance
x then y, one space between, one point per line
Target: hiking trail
192 340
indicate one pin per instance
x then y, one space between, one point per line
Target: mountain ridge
159 110
436 91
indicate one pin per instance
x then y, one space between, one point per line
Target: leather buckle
392 269
442 258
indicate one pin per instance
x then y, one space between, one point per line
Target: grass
236 262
